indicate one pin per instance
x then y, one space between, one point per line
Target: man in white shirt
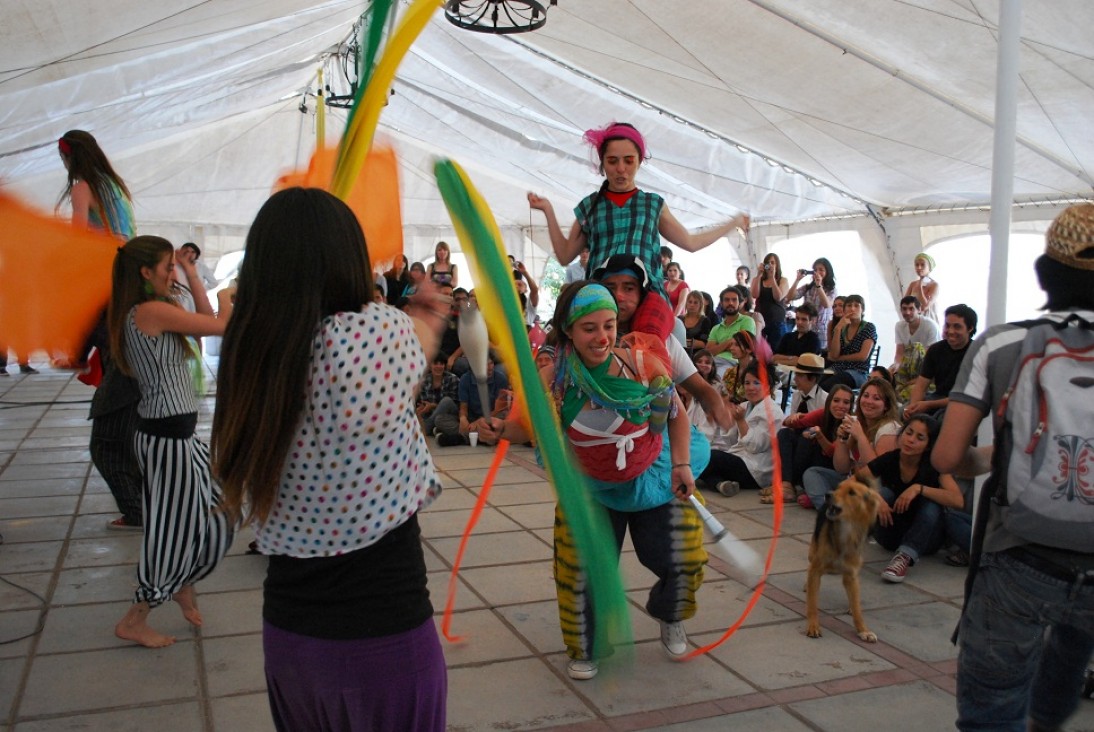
914 335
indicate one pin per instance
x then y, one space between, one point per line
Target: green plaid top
627 229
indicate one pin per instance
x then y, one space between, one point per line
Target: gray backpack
1048 435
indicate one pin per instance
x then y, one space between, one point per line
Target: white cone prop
475 342
730 549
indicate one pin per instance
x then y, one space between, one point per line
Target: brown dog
836 548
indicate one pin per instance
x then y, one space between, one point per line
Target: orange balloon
54 280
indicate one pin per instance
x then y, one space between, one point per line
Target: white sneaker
674 639
729 488
581 669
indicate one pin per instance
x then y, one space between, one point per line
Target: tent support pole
879 219
1002 169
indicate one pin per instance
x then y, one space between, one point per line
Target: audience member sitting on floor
913 335
803 339
942 363
809 441
697 416
909 520
748 462
870 432
455 422
733 321
746 348
852 342
437 385
696 323
819 293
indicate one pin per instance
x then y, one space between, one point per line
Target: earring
148 291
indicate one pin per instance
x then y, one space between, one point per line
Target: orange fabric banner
374 197
54 281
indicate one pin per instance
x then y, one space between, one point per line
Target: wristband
682 465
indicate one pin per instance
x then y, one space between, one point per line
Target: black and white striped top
162 368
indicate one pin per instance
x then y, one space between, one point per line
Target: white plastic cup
474 438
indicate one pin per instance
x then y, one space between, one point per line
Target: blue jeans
916 532
1009 668
818 483
958 528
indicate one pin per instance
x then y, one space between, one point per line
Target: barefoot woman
184 533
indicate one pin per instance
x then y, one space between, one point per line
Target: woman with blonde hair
185 533
441 270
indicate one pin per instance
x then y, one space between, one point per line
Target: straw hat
810 363
1070 238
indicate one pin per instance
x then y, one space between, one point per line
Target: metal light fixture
502 17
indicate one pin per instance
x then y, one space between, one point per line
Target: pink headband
64 146
615 131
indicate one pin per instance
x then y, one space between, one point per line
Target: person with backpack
1027 629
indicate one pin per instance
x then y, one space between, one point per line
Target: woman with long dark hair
100 199
769 290
853 340
326 455
620 218
914 495
185 533
807 441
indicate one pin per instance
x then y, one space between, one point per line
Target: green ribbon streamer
587 519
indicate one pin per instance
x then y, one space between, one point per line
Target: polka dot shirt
358 465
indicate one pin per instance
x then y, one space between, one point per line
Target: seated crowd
840 413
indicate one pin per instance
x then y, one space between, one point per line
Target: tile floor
66 580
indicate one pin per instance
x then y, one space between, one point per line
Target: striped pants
668 541
185 533
112 454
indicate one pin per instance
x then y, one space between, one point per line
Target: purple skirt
392 683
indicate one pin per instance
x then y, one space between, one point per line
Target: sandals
765 492
788 495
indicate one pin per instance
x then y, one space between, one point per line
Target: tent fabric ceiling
851 102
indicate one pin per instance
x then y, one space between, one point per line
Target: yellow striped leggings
668 540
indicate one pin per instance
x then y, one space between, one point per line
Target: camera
767 267
805 272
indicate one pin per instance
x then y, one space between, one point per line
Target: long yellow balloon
358 136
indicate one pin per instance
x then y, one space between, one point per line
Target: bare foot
134 627
185 599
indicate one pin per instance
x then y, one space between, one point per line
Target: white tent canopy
796 112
